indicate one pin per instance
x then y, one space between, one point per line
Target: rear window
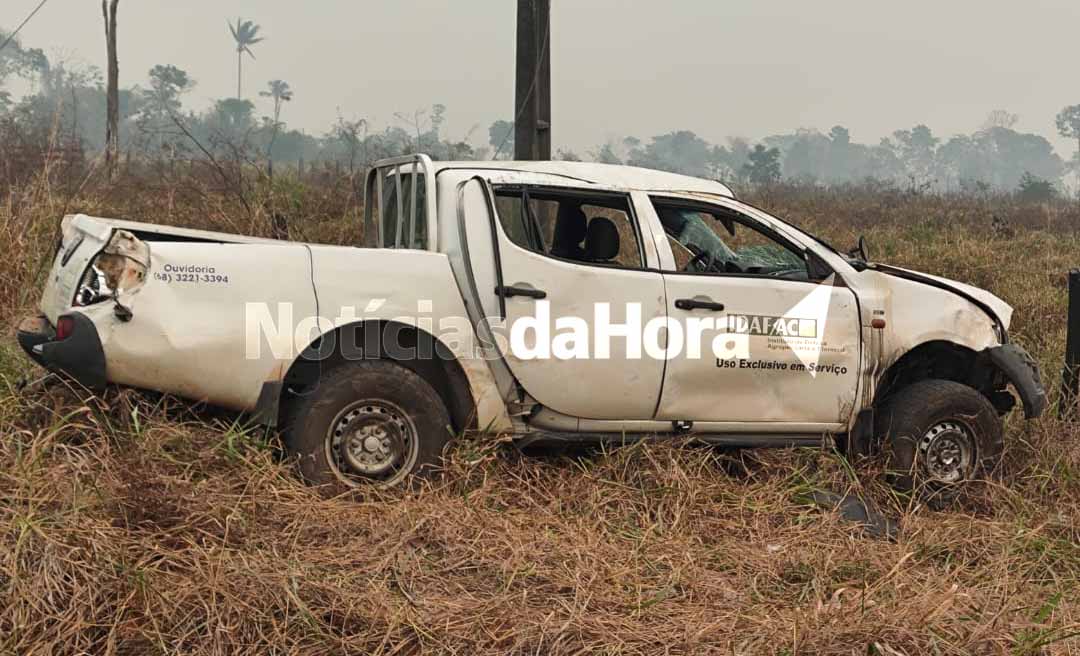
399 227
399 199
560 224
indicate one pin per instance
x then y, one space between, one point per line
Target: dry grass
133 524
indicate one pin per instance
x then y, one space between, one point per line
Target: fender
1023 372
949 286
458 380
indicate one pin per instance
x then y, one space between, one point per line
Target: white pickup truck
550 301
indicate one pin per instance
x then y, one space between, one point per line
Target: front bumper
79 356
1023 372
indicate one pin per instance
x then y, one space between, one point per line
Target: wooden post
543 84
532 94
112 93
1070 374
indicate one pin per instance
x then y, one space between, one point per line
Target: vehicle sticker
776 365
191 274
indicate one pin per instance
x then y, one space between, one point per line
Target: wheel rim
948 451
371 442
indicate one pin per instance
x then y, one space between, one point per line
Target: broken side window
585 227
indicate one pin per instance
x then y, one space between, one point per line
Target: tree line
995 156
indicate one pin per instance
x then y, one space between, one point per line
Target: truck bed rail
406 211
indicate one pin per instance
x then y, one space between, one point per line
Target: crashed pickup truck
548 301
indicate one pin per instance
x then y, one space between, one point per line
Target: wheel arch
410 346
946 360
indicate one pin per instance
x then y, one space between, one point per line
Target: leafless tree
999 118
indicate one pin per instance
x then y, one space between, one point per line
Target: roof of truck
612 175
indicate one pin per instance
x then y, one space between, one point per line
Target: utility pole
532 127
112 94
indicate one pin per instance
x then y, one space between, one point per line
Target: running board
751 440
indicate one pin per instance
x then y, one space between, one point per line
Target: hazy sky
718 67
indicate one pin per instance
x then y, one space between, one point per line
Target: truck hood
992 305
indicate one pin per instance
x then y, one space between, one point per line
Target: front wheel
368 423
938 435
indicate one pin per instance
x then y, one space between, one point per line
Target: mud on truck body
371 358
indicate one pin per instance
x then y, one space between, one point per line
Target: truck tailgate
82 238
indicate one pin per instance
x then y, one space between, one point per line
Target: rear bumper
79 357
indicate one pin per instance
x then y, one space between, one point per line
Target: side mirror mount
817 268
860 251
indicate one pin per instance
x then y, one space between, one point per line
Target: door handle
698 304
506 291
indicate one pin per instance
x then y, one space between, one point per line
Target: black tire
938 435
355 403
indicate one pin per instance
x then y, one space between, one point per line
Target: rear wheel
369 423
938 435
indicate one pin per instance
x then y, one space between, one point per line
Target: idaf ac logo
755 324
804 322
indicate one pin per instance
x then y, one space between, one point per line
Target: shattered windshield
696 234
721 245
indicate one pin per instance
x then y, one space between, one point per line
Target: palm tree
245 34
281 93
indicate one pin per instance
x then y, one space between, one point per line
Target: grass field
137 525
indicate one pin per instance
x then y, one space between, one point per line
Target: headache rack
399 209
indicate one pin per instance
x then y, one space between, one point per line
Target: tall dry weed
138 524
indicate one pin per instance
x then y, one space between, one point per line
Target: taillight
64 327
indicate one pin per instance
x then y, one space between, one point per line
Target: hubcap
948 451
372 441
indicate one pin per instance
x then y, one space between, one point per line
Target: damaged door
785 348
558 256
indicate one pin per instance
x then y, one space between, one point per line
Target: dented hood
997 308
